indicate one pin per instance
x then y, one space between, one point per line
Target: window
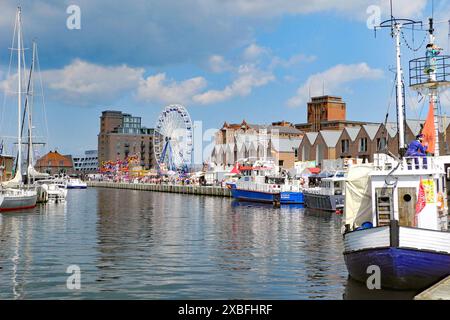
280 163
381 143
363 145
305 153
345 146
296 153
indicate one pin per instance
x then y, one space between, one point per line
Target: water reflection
149 245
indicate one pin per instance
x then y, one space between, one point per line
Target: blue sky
224 60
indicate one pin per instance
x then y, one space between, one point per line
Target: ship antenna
396 26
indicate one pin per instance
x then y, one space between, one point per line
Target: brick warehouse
122 135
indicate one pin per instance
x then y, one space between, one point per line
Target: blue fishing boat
262 182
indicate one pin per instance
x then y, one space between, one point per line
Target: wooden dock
195 190
440 291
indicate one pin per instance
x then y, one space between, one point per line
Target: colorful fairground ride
128 169
173 141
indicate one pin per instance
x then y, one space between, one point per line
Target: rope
43 98
8 76
411 47
386 119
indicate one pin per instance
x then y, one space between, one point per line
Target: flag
421 201
429 129
236 169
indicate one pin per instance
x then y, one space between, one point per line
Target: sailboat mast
30 99
399 86
19 98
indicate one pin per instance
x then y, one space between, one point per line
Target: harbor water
130 244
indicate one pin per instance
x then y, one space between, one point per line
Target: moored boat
18 199
15 195
396 211
261 182
382 228
329 195
75 183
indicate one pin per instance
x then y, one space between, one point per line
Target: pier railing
187 189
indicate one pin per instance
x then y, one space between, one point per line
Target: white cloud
164 32
159 88
253 52
81 78
218 64
293 60
83 82
248 77
86 84
334 78
351 8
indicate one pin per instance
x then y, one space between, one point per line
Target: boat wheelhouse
329 195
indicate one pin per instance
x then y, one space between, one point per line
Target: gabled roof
285 145
371 130
311 136
414 125
391 128
331 137
352 132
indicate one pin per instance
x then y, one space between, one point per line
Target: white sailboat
17 196
396 211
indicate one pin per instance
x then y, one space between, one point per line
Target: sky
223 60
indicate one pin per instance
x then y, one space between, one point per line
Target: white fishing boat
396 214
15 195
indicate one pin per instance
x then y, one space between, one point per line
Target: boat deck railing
260 187
407 165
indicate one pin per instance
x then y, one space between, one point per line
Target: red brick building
122 135
327 113
55 163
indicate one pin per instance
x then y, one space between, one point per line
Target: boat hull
76 187
18 203
254 196
291 197
323 202
400 268
408 258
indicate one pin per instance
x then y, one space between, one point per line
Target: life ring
440 201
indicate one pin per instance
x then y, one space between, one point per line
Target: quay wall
197 190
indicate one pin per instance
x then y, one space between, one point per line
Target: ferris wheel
172 139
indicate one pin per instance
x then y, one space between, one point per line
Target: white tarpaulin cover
15 182
358 201
32 172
